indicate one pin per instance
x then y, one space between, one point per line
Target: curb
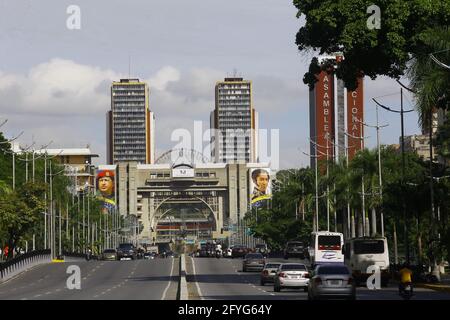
182 289
435 287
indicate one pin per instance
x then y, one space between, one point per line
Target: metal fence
23 262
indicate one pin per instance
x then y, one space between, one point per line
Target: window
341 270
368 246
293 267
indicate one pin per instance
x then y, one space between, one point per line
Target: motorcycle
218 253
406 291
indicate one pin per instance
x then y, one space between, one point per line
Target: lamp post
402 112
316 219
378 127
363 205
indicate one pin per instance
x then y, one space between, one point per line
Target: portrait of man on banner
260 185
106 191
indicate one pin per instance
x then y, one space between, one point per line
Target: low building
420 144
77 163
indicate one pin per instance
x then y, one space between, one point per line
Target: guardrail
23 262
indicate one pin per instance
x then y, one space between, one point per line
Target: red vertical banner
355 115
324 115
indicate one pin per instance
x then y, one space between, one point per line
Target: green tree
341 26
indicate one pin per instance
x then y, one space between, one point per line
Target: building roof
68 152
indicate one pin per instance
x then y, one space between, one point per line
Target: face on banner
260 186
105 186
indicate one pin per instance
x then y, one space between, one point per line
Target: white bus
360 253
326 247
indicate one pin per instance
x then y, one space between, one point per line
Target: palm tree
429 80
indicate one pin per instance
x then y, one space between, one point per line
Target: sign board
182 173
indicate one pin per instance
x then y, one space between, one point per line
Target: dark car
126 250
253 261
109 254
238 251
294 249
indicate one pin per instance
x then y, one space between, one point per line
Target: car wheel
277 288
286 257
263 283
305 289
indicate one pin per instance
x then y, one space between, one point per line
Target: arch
191 154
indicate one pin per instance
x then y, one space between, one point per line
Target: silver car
332 281
269 272
109 254
291 275
253 261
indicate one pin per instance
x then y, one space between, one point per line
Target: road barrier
182 285
23 262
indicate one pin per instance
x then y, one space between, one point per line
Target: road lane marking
196 283
170 281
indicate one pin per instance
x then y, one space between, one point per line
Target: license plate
335 282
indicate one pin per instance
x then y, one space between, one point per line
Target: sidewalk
443 286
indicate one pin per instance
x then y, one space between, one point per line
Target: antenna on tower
129 66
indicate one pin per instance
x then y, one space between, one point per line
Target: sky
55 81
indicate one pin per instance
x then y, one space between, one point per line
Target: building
327 99
77 163
130 124
235 122
197 201
420 144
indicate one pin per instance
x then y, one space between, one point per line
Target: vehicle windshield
125 246
368 246
341 270
109 251
254 256
295 244
272 266
300 267
329 242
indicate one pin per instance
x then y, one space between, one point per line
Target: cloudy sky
54 82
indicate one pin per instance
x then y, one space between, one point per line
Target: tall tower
130 124
235 121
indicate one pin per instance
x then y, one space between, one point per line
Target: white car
291 275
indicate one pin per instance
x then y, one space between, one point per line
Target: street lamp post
316 219
378 127
402 112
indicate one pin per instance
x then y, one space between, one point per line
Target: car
239 251
126 250
109 254
262 248
292 275
149 255
294 249
269 272
253 261
332 280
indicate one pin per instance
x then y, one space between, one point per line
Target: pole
14 169
33 165
60 234
45 200
405 223
26 166
317 194
52 253
328 193
379 176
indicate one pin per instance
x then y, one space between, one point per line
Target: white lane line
170 281
271 294
38 295
196 283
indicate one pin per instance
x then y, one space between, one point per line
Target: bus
360 253
326 247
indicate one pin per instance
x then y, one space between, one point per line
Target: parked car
126 250
292 275
109 254
253 261
332 281
294 249
239 251
262 248
269 272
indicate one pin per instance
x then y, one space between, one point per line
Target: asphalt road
104 280
223 279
